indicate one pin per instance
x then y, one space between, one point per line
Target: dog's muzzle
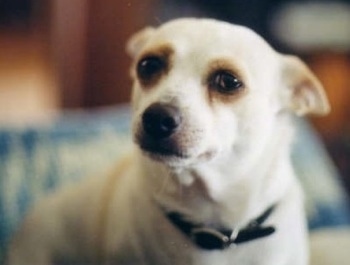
160 122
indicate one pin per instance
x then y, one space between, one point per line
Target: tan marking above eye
162 50
224 64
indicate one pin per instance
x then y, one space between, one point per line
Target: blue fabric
37 159
326 200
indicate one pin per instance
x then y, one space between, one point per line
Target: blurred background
69 54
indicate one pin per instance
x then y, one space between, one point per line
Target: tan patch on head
162 52
224 65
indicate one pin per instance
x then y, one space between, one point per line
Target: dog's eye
149 67
225 82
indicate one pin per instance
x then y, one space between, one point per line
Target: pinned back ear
306 95
138 40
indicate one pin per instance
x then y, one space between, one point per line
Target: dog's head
204 88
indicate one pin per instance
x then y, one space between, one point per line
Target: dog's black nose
161 120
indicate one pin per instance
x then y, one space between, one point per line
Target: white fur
237 163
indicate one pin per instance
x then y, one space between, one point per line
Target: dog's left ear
306 95
138 40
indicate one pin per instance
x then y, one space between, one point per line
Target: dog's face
205 89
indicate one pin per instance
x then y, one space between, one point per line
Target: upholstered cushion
36 159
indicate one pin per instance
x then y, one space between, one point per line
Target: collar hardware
209 238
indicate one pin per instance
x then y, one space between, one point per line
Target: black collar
209 238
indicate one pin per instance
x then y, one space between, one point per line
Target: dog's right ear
305 92
138 40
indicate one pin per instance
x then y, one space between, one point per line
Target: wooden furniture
87 40
333 69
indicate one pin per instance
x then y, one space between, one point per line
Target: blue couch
36 159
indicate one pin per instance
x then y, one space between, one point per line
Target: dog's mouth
161 149
170 152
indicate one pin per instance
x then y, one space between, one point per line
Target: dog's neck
216 193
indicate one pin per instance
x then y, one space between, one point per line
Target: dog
209 179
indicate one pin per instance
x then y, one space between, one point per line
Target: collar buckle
210 239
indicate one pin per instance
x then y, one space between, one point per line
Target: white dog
210 180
